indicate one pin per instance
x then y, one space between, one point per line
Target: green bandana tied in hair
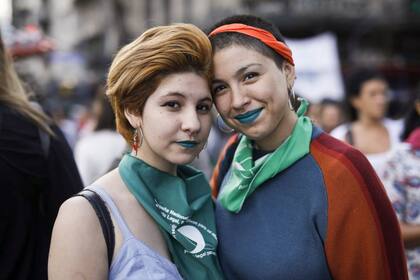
247 174
183 209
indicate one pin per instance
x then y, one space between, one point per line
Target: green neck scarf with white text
182 207
247 175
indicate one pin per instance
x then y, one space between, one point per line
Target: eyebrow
173 93
178 94
239 72
206 99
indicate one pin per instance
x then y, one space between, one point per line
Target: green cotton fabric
247 175
182 207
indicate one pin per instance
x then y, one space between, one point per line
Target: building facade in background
87 33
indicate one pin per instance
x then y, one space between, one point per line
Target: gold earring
136 144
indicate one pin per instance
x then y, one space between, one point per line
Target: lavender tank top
135 260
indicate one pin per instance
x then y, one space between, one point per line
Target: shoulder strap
104 218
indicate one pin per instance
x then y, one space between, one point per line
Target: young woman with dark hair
402 183
292 202
368 129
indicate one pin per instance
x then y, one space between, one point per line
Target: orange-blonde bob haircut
139 67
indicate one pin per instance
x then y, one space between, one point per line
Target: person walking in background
89 150
402 183
37 174
367 98
330 114
292 201
162 210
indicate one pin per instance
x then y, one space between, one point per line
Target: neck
368 121
156 162
279 134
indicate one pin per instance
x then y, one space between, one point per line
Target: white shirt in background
96 152
377 160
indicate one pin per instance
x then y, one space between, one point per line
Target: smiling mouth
188 144
249 116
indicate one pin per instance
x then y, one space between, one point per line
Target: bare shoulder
76 214
77 249
112 183
140 223
115 187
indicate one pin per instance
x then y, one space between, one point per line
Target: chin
256 133
378 117
182 159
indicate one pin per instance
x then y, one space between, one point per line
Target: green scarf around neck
247 175
182 207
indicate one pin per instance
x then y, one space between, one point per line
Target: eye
250 75
204 108
172 104
218 88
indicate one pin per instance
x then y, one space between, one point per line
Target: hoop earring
292 95
223 126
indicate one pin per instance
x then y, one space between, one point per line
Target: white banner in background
317 67
5 12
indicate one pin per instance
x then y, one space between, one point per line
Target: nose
239 98
191 122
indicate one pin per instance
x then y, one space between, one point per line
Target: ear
134 120
355 102
417 106
289 72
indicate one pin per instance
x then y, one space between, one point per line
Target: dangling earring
223 126
136 144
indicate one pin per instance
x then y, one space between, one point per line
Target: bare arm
410 235
78 249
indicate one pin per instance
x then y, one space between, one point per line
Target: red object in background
30 41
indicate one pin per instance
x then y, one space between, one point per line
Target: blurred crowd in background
62 50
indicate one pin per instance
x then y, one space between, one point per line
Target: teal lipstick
187 144
249 116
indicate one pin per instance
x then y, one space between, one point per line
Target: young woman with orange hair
161 209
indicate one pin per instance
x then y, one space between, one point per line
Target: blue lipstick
249 116
187 144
